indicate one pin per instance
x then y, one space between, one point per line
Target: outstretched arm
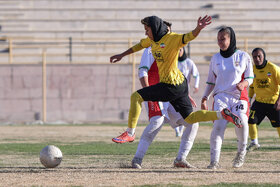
118 57
201 24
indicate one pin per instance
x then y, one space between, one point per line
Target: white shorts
170 115
224 100
174 117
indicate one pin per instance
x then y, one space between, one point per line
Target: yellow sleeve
188 37
251 91
144 43
277 71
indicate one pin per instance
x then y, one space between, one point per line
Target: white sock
219 115
148 135
242 133
255 141
131 131
142 148
216 139
187 140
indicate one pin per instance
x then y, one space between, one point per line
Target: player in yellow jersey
266 86
173 86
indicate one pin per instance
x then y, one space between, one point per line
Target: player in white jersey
189 69
159 114
230 73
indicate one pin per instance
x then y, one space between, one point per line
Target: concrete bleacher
92 18
83 86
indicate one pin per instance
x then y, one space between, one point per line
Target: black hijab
159 28
264 58
183 57
232 46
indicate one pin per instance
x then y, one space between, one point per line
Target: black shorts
260 110
177 95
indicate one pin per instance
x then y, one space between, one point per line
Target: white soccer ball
50 156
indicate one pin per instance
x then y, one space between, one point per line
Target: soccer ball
50 156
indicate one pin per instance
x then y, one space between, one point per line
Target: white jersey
189 69
225 73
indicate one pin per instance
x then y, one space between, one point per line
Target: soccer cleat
123 138
182 164
136 163
239 159
253 146
214 165
228 115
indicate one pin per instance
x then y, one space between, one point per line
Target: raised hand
203 22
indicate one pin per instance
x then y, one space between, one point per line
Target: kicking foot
228 115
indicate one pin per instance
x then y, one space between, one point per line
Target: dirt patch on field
18 170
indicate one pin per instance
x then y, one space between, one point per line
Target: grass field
91 159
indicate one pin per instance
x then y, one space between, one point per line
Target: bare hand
204 104
203 22
193 102
242 85
115 58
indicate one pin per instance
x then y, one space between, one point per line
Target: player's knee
190 119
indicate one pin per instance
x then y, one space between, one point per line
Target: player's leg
216 140
186 144
274 117
217 134
257 114
184 107
134 113
151 93
187 138
253 133
241 109
205 115
146 139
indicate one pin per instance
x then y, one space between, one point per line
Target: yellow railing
28 50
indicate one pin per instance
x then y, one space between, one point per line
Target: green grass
101 154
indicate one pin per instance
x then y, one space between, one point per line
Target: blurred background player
230 73
160 113
189 69
266 86
173 85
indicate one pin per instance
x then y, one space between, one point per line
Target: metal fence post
10 50
70 49
44 87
